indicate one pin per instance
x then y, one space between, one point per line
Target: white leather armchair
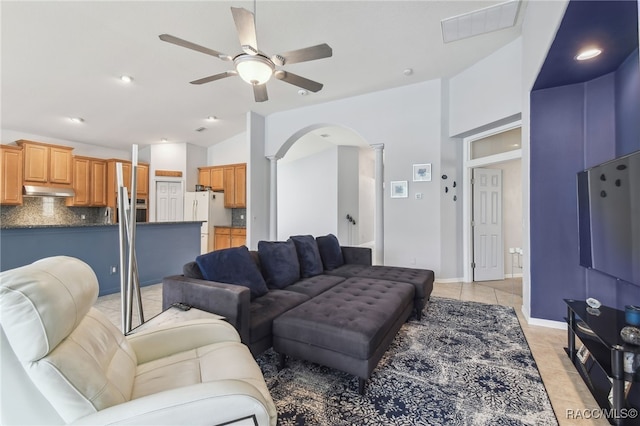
195 372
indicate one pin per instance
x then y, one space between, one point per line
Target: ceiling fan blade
296 80
260 92
246 26
184 43
214 77
302 55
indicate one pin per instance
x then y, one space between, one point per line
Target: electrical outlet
113 269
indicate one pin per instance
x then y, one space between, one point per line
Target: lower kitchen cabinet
226 237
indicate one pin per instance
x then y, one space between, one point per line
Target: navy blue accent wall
572 128
161 249
628 106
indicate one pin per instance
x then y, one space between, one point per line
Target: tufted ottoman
421 279
348 327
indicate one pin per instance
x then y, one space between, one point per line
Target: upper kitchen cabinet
142 180
212 177
235 186
11 174
89 182
46 164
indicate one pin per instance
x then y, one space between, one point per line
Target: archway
326 184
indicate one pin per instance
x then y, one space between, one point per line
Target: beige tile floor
566 390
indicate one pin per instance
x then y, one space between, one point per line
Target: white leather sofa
191 373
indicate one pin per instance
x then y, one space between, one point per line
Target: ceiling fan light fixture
254 69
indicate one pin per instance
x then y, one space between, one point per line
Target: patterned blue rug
464 363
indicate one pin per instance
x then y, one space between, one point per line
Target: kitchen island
162 248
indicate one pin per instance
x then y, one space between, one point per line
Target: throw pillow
279 263
308 255
330 252
233 266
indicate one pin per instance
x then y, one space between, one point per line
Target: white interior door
488 256
169 200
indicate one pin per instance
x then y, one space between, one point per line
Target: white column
273 198
379 208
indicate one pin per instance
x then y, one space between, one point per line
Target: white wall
348 195
487 91
308 195
231 151
258 181
407 120
512 211
367 196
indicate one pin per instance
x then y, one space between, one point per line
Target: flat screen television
609 217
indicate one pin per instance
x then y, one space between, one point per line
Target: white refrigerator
208 207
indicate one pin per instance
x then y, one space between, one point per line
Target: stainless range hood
47 191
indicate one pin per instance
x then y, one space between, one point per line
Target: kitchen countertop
85 225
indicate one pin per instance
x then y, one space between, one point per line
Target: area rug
464 363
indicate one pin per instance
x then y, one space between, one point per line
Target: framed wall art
422 172
399 189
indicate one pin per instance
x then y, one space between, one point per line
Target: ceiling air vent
480 21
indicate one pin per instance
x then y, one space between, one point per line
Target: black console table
607 348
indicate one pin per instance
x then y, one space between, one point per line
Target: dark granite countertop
87 225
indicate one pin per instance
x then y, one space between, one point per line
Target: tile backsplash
239 217
49 211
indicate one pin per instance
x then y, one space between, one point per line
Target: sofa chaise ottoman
348 327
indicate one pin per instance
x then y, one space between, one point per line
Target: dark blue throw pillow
330 252
233 266
279 263
308 255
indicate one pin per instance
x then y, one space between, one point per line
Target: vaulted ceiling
63 59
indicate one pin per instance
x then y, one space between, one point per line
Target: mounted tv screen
609 217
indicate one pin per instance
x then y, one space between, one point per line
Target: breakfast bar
161 248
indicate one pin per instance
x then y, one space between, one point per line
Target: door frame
467 193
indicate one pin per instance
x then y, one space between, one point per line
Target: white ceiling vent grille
481 21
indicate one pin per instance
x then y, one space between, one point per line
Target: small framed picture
583 354
399 189
422 172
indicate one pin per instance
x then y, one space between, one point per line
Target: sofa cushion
313 286
233 266
268 307
192 270
279 262
330 252
308 255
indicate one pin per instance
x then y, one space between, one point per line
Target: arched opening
326 184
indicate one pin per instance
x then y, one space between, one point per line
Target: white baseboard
560 325
513 275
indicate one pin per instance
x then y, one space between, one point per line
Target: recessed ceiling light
76 120
408 71
588 54
303 92
325 135
211 118
126 78
164 140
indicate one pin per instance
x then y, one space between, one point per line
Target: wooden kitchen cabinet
235 186
238 237
46 164
11 186
89 182
222 238
211 176
226 237
142 182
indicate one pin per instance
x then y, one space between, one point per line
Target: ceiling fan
253 66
